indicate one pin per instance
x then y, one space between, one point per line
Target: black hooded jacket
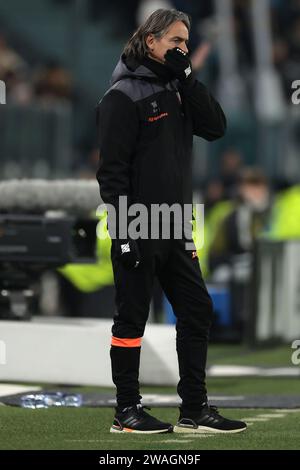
146 123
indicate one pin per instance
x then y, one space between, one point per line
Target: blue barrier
221 301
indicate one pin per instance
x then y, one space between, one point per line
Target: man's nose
184 47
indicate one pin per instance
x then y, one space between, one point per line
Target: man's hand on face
179 63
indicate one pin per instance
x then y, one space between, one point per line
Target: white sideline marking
266 417
254 419
231 371
251 371
113 440
89 440
166 398
177 441
288 410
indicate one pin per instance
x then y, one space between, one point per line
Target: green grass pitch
88 428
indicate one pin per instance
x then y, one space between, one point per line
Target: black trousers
179 274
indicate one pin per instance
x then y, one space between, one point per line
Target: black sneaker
208 420
134 419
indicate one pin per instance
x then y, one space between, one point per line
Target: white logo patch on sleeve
188 71
125 248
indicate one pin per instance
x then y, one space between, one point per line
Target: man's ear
150 41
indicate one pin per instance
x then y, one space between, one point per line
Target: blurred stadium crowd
52 81
249 182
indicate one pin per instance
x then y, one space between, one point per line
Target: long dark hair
157 24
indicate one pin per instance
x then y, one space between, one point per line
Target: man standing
146 123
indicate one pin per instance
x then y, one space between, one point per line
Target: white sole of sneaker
133 431
205 430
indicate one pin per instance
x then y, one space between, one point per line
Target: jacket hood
123 71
